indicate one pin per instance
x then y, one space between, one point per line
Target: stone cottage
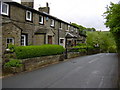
22 25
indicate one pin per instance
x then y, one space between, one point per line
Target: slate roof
33 10
69 35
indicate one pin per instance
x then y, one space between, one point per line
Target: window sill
41 23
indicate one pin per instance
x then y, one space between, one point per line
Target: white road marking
95 72
101 82
93 60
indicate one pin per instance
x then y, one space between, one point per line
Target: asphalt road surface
92 71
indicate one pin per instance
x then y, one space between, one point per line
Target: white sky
87 13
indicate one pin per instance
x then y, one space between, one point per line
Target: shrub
82 50
112 49
13 63
81 44
23 52
11 47
84 47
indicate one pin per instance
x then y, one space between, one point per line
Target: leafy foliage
82 47
23 52
112 16
11 47
13 63
104 40
83 29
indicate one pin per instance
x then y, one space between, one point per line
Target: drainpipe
65 47
58 36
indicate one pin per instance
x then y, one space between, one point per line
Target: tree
112 16
81 28
90 29
104 40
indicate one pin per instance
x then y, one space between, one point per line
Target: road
92 71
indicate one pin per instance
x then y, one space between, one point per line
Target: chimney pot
47 5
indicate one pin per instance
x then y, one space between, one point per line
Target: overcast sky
87 13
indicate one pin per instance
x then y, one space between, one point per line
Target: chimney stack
28 3
45 9
47 5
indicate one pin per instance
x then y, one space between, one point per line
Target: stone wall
75 54
119 70
33 63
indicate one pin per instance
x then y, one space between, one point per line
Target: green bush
84 47
82 50
112 49
11 47
23 52
81 44
13 63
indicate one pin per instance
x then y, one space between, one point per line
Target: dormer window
52 23
41 19
4 8
29 15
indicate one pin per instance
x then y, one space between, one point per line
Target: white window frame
9 39
76 30
52 23
7 13
42 19
68 27
62 44
24 40
72 30
29 19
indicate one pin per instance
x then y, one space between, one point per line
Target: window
61 40
41 19
47 18
0 7
72 30
4 8
76 30
29 15
10 41
23 40
68 27
52 22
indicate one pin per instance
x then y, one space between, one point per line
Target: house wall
16 24
9 30
39 39
1 40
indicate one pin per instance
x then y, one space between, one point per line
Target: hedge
23 52
81 48
84 47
